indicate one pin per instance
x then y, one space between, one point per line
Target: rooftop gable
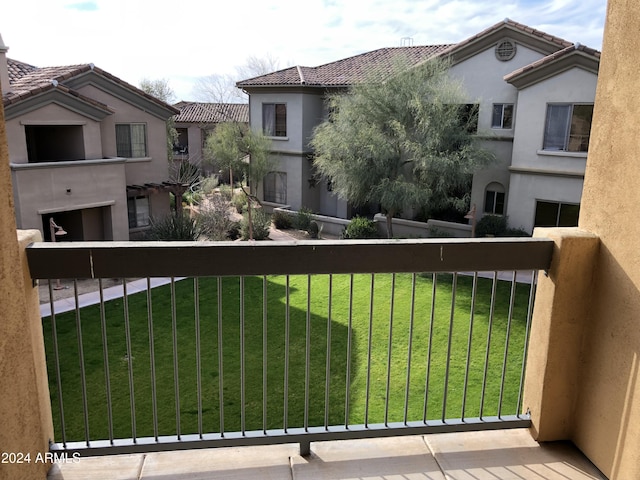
27 81
573 56
537 40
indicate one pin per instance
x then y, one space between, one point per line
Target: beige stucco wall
609 402
42 188
25 410
583 370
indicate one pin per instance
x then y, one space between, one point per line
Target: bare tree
221 88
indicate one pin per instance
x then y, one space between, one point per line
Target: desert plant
281 220
261 221
214 220
173 227
302 219
360 227
226 191
239 202
209 184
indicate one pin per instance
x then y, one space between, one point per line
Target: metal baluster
389 349
488 349
349 340
454 287
286 357
506 343
328 364
307 357
220 357
410 348
434 286
56 356
174 330
83 374
196 301
264 354
369 342
127 331
105 359
152 359
474 291
242 364
532 294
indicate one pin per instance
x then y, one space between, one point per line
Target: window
275 187
494 199
555 214
502 115
138 209
567 127
274 119
131 140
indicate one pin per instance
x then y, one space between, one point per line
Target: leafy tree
403 140
234 146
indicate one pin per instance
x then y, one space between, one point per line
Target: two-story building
535 96
88 151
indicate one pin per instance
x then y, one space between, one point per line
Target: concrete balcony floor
494 455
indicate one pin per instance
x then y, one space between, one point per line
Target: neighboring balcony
331 345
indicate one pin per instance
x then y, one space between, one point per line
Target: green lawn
320 321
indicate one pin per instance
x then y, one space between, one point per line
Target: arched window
494 199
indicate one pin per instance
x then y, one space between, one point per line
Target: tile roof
357 68
349 70
197 112
27 81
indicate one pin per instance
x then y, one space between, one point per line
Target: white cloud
183 40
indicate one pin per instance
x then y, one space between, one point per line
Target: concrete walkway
493 455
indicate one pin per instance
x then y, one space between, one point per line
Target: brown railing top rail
174 259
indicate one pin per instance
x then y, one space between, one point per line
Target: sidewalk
93 298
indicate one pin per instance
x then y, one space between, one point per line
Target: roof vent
505 50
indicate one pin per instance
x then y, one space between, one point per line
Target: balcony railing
283 342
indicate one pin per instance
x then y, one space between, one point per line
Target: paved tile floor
496 455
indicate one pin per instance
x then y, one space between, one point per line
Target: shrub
239 201
302 219
173 227
435 232
492 225
281 220
261 222
516 232
209 184
226 191
215 221
360 227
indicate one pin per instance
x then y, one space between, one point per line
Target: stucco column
559 318
25 409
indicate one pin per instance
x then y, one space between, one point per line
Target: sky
181 41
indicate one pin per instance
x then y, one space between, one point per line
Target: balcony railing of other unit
287 342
